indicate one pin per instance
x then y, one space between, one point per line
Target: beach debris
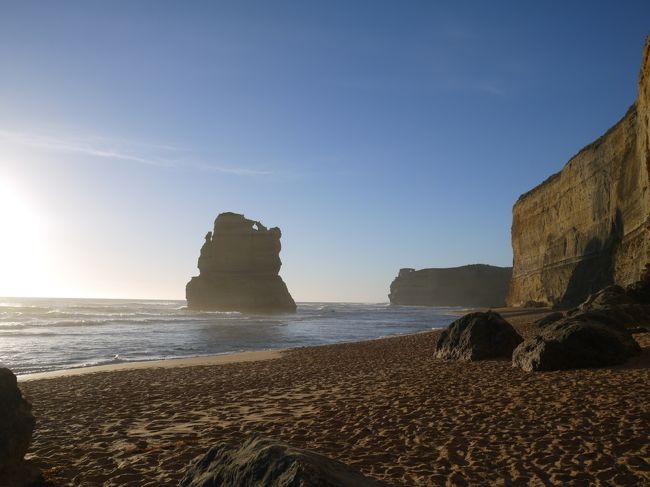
16 427
590 339
265 462
239 265
478 336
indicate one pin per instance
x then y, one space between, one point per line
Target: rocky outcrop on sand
628 307
266 462
477 336
475 285
596 333
16 427
588 226
576 342
549 319
239 266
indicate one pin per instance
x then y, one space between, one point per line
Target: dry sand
385 406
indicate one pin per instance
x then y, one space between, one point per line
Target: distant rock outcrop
239 266
269 463
588 226
475 285
576 342
478 336
16 427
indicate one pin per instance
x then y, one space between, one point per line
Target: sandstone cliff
586 227
239 266
471 285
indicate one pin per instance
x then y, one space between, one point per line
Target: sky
376 134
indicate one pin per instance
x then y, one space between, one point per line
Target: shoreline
118 342
215 359
194 361
246 356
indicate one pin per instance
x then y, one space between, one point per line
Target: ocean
39 335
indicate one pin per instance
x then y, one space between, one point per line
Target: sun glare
22 249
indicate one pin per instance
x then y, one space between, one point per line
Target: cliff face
239 265
587 226
472 285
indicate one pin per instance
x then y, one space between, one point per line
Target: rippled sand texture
385 406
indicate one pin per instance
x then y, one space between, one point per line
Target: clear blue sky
375 134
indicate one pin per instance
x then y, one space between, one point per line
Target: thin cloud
115 149
238 171
90 146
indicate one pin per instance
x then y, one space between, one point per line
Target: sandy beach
385 406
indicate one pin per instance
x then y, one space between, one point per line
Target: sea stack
239 265
588 226
476 285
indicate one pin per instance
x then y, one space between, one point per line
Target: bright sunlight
22 249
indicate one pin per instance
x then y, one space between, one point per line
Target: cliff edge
239 265
586 227
475 285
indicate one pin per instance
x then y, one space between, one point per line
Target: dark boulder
640 290
586 340
549 319
16 427
614 303
264 462
478 336
608 296
638 330
16 422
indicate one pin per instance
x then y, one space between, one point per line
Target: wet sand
385 406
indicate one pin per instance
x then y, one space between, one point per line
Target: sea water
38 335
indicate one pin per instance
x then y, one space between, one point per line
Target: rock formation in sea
239 265
16 427
478 336
475 285
588 226
266 462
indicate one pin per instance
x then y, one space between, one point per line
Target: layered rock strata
475 285
587 226
239 265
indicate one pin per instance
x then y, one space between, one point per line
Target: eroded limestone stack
239 266
588 226
475 285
